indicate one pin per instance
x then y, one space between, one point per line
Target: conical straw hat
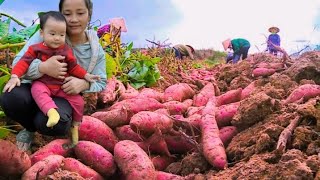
226 44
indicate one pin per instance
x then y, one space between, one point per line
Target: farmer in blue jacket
273 39
239 46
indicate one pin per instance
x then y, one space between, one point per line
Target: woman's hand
73 85
54 67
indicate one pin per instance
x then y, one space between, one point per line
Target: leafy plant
5 130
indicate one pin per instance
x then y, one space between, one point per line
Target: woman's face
77 16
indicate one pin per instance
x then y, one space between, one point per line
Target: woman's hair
88 3
54 14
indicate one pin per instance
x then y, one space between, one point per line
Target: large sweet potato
262 72
126 133
151 93
92 129
202 98
52 148
229 97
43 168
84 171
178 92
133 162
303 93
113 118
147 122
13 162
96 157
136 105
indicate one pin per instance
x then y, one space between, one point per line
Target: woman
19 104
239 46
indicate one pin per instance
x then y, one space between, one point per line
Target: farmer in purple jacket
273 39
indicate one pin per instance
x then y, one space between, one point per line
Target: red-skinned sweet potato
52 148
162 162
151 93
246 92
213 149
202 98
133 162
113 118
95 156
92 129
126 133
136 105
147 122
303 93
178 92
84 171
167 176
43 168
262 72
229 97
13 161
225 113
227 133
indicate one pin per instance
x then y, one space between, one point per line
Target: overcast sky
201 23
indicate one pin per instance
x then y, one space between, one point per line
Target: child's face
273 31
54 33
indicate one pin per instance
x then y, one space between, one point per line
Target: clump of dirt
239 82
65 175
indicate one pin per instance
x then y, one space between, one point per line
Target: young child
273 39
53 28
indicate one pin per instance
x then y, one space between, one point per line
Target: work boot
24 139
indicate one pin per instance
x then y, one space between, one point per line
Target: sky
204 24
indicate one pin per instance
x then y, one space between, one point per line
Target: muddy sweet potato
43 168
203 96
113 118
92 129
227 133
73 165
162 162
129 93
178 92
213 148
225 113
52 148
168 176
147 122
246 92
229 97
13 161
151 93
176 107
96 156
109 94
303 93
126 133
136 105
262 72
133 162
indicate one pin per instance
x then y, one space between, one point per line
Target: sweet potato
163 111
136 105
155 144
178 92
151 93
84 171
126 133
109 93
175 107
213 149
133 162
303 93
194 110
96 157
276 66
162 162
147 122
262 72
178 144
248 90
129 93
167 176
113 118
13 161
229 97
92 129
227 133
202 98
225 113
43 168
52 148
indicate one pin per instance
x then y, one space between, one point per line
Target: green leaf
3 132
129 48
3 80
1 1
111 66
4 28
